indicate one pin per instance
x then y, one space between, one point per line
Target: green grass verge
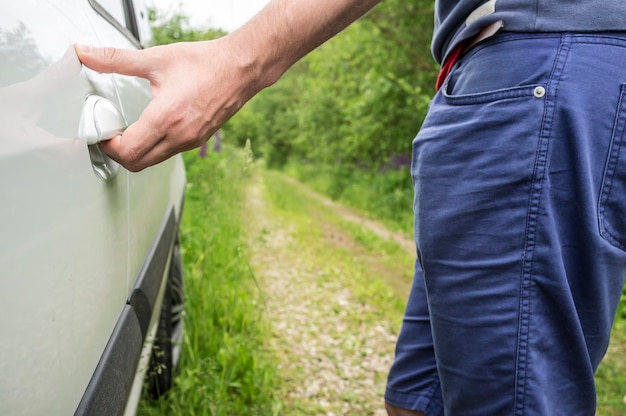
611 376
342 255
224 368
373 266
386 196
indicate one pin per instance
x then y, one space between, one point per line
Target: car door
64 229
154 192
155 205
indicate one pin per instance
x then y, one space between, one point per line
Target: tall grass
611 376
224 368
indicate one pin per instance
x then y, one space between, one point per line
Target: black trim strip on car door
109 388
144 295
111 383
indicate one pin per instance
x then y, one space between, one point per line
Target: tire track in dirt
380 230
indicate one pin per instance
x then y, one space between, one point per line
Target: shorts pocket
612 202
506 67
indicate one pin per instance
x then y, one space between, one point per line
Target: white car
90 273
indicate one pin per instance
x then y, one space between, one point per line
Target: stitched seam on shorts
534 206
425 401
609 172
431 393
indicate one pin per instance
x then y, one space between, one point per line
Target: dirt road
335 348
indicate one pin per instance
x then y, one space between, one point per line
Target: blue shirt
456 20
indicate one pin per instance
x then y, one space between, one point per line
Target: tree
358 100
176 28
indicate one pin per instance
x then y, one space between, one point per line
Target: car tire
168 339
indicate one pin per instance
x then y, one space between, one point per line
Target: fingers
122 151
150 140
108 60
127 156
130 148
188 104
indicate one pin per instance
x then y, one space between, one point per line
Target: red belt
449 63
463 47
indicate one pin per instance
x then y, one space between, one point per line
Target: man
519 173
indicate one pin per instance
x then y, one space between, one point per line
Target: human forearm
286 30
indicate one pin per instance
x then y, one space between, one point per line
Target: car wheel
169 335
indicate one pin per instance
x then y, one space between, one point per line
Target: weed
224 368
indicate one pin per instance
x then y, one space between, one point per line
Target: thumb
112 60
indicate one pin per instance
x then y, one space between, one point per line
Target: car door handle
100 121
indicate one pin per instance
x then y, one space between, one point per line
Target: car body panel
71 244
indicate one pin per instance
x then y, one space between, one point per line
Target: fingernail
84 48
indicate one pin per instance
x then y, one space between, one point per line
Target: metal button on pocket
539 92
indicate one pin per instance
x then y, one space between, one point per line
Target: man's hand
196 87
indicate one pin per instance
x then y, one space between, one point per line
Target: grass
338 259
611 376
386 196
224 368
374 266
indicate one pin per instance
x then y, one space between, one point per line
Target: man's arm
198 86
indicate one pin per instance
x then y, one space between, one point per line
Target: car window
121 14
115 8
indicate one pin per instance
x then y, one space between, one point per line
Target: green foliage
356 101
344 116
175 28
224 369
610 380
270 116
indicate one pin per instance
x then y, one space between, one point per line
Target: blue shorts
520 225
